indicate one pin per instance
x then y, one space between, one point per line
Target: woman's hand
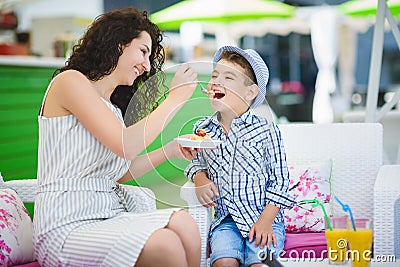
175 150
205 190
183 83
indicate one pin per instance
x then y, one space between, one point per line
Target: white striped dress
81 217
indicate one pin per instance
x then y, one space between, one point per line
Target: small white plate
207 143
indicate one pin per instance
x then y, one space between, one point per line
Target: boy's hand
205 190
263 233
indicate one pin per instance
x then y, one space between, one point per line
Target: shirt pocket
249 157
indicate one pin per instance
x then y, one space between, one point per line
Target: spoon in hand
205 91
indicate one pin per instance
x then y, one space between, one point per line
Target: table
384 262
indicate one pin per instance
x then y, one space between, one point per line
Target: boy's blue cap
259 67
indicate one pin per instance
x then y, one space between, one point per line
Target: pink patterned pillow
308 182
16 245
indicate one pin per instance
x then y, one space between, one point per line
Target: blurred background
48 28
307 44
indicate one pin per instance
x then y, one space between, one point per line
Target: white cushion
308 182
16 244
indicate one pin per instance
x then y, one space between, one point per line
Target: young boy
246 178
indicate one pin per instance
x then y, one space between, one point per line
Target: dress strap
45 95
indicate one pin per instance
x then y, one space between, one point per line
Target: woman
81 215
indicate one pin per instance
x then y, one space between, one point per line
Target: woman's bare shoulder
70 76
71 82
67 88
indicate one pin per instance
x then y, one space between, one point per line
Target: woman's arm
74 93
144 163
182 87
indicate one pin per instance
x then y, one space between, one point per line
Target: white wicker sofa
356 152
26 190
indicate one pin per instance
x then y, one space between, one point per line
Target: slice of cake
200 135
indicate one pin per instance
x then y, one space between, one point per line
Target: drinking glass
360 243
337 240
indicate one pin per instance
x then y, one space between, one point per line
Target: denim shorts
226 241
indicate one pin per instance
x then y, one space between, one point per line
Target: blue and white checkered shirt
249 169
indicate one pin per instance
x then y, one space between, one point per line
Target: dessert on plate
199 140
200 135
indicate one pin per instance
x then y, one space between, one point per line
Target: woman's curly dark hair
96 55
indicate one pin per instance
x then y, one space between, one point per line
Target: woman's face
134 60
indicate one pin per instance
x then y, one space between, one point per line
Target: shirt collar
247 117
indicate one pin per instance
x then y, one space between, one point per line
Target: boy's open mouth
217 94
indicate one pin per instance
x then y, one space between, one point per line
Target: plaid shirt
249 169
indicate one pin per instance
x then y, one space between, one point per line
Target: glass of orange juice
360 242
337 240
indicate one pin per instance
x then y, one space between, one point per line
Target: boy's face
231 87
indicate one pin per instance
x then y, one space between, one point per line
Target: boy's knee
226 262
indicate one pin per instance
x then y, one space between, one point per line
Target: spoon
205 91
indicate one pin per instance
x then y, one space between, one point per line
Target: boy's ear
252 92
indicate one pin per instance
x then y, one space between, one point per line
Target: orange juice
337 245
360 243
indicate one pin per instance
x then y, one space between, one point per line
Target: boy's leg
254 255
227 245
